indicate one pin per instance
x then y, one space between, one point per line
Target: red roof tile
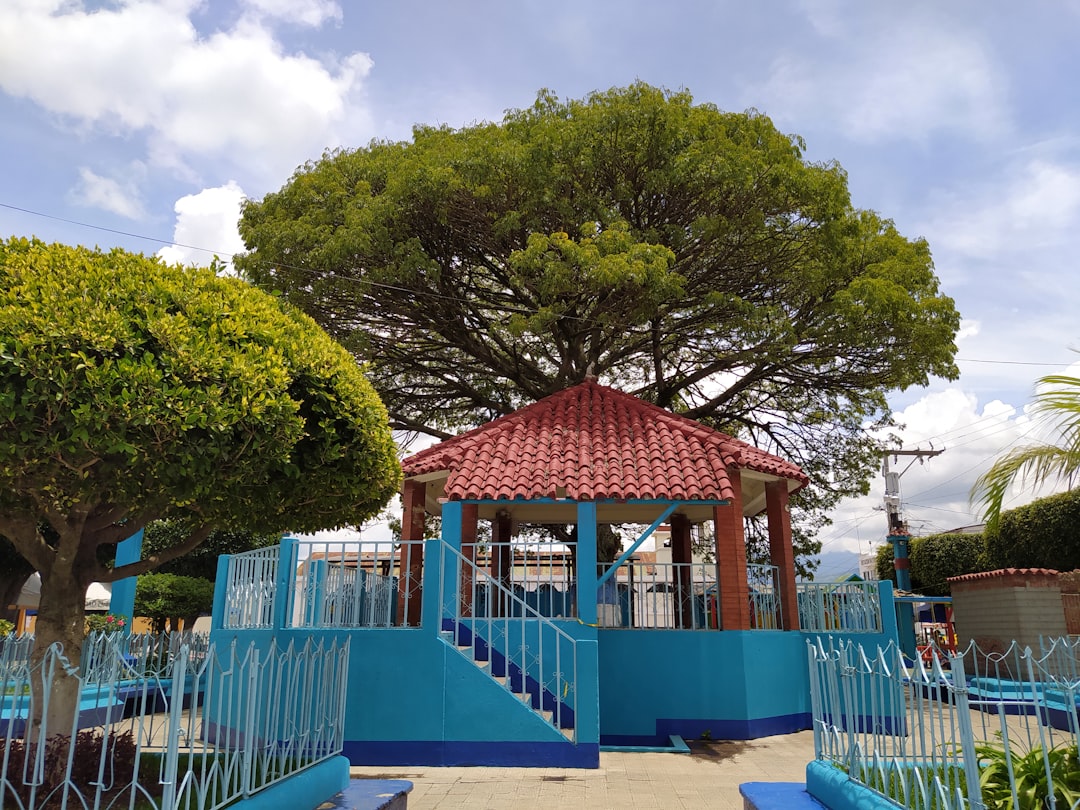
591 442
1003 572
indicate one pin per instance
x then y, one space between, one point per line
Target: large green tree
687 255
1057 407
132 391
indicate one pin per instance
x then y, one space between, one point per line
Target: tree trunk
61 620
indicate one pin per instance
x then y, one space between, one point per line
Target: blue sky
150 121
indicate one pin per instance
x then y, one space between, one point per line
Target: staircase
524 652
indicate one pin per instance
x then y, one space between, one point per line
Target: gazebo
584 457
499 640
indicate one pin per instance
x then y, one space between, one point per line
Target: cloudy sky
142 123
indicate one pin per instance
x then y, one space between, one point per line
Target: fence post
221 593
248 741
967 736
286 582
176 706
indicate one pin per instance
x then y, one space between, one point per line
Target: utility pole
898 529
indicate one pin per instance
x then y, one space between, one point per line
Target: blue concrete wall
414 700
730 684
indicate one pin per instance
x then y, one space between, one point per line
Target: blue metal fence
976 729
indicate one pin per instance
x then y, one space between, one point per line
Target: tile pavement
708 777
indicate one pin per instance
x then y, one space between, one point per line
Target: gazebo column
781 552
586 562
731 558
411 553
469 518
501 559
681 557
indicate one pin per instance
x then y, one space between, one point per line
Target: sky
144 124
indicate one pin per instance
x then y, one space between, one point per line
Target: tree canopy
690 256
132 391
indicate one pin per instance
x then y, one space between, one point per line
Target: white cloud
888 75
302 12
142 67
115 196
206 224
1035 204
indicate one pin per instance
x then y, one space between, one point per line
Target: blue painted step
499 667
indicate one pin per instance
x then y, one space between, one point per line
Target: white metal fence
977 729
165 721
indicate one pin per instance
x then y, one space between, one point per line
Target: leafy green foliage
1029 772
883 563
687 255
169 598
1057 404
132 391
937 557
107 623
202 562
1043 534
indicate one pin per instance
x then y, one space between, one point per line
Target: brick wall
993 608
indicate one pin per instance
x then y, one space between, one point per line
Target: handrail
482 635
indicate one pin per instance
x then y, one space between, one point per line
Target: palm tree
1057 402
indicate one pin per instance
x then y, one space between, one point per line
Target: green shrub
1043 534
937 557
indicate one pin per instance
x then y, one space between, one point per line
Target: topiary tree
133 391
1043 534
170 598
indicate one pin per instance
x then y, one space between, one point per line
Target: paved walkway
709 777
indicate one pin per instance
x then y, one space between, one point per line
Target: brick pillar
411 554
469 519
501 559
781 554
731 559
682 556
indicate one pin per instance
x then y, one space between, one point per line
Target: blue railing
971 730
530 655
839 607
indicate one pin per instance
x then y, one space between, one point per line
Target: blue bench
777 796
372 794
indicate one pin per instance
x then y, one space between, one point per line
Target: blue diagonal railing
529 654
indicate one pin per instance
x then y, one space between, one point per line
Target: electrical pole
898 529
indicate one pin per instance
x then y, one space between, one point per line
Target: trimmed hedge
1043 534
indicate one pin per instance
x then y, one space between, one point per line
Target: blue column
442 569
221 590
286 581
901 562
122 601
586 562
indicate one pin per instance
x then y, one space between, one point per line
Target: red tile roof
591 442
1004 572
